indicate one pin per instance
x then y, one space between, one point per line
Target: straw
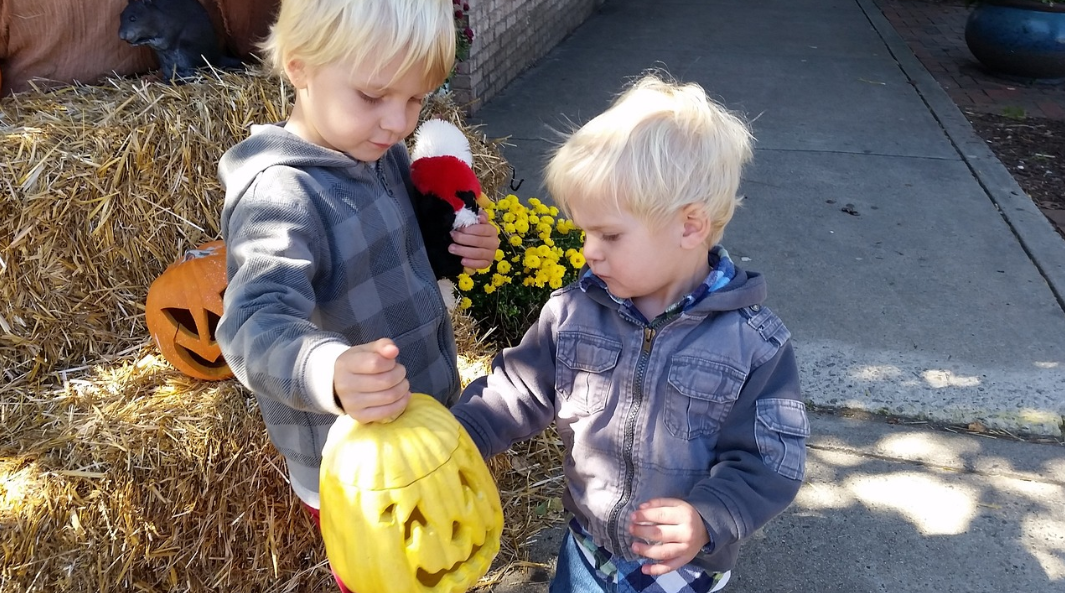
117 473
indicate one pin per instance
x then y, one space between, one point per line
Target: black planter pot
1019 39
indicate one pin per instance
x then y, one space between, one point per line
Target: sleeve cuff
320 368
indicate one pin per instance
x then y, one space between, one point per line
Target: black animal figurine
180 32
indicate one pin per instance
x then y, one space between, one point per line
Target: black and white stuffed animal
446 191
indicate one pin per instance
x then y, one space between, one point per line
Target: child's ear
296 70
696 226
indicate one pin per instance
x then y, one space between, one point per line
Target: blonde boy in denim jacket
673 388
332 307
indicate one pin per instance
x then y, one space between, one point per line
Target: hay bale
106 186
116 472
133 477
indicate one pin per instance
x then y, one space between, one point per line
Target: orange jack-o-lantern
183 309
409 505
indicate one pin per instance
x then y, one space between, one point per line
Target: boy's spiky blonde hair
660 146
418 33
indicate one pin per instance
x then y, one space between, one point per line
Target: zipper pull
648 335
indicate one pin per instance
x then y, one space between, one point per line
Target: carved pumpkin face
183 308
408 505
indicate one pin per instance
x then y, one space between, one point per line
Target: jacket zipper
441 334
630 436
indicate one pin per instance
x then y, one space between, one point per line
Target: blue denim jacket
703 406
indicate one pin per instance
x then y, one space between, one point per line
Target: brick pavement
935 32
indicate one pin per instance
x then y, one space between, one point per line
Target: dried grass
137 478
106 186
117 473
134 477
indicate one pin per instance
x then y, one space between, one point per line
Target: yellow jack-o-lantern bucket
408 505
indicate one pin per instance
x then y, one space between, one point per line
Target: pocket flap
588 353
703 379
785 416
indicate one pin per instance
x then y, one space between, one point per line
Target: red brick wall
510 36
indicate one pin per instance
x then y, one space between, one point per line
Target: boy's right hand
369 384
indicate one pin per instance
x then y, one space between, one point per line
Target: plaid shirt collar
722 271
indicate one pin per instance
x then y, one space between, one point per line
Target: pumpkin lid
383 456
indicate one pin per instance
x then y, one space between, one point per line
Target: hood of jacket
745 290
270 145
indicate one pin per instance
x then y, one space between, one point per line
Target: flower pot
1019 39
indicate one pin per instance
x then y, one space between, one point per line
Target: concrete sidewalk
915 275
899 508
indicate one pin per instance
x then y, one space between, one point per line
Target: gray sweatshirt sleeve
762 456
516 401
274 250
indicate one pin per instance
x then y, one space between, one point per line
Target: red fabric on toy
443 177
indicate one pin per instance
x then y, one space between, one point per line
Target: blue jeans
573 574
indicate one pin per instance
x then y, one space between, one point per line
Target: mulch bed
1033 150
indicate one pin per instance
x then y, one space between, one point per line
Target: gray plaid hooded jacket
323 252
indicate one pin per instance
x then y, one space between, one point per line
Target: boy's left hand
476 244
675 529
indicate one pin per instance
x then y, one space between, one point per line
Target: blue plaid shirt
629 578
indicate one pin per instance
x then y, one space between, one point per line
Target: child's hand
675 529
369 383
476 244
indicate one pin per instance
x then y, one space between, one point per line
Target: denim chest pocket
584 370
700 395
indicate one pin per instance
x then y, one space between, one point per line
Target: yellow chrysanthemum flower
503 267
489 289
499 255
465 282
577 260
531 261
465 303
515 240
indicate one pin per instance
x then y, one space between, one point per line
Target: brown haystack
106 186
117 473
133 477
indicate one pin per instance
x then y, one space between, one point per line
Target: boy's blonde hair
661 146
419 33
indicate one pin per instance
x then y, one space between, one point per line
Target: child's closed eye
370 100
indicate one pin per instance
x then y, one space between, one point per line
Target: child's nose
395 119
591 249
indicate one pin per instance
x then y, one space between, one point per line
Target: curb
1034 232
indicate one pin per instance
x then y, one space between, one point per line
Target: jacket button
756 308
